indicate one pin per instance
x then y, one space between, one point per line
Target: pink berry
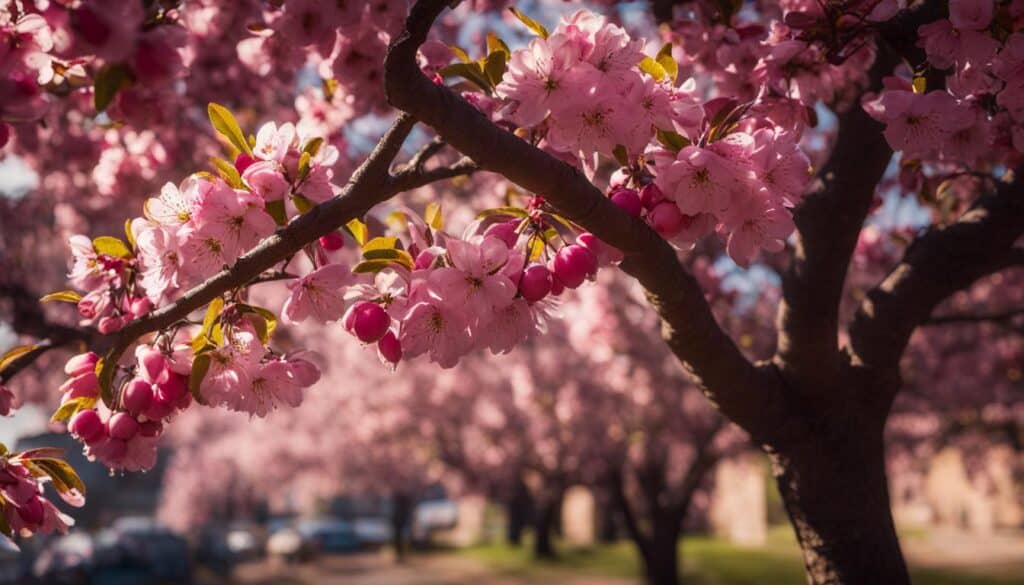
108 325
628 200
390 348
504 231
123 426
151 429
604 253
536 282
332 242
369 322
138 395
87 426
141 306
160 408
650 196
666 219
573 264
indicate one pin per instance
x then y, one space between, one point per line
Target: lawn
705 561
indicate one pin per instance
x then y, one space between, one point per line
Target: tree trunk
837 498
517 512
544 520
661 559
401 514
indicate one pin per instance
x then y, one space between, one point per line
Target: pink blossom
430 327
318 294
472 283
273 143
266 179
971 14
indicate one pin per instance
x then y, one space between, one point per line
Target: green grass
705 561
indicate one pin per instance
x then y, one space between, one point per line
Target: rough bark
517 511
544 521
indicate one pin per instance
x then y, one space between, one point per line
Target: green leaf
530 23
228 172
621 155
109 80
105 370
433 216
380 243
371 266
672 140
920 84
667 62
265 315
462 55
304 165
510 211
71 407
226 125
472 72
494 67
653 68
200 365
213 311
64 296
313 146
111 246
494 44
276 210
128 233
302 203
63 475
392 255
13 354
358 230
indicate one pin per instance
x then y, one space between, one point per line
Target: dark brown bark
837 498
518 509
544 520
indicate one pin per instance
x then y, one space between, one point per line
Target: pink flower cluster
978 117
23 508
25 43
729 170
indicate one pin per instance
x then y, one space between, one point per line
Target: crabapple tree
759 132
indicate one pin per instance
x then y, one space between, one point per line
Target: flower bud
122 426
141 306
172 389
535 283
650 196
151 428
332 242
108 325
87 426
390 348
628 200
504 231
137 396
81 364
32 511
666 219
153 364
368 321
573 264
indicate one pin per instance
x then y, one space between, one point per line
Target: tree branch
28 319
688 324
830 219
936 265
369 185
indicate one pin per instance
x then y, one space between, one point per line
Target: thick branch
937 265
830 219
688 324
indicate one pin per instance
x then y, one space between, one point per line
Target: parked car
288 544
138 546
372 530
329 535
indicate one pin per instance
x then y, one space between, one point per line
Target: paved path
380 569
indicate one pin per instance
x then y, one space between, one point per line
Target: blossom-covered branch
688 324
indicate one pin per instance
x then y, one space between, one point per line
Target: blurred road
381 569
